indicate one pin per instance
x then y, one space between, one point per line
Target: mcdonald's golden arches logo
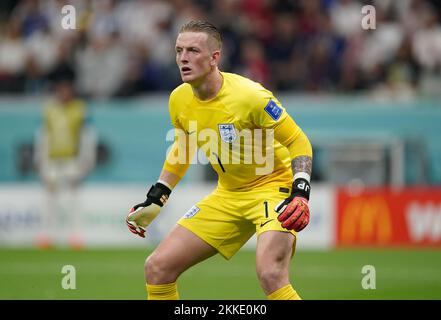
366 220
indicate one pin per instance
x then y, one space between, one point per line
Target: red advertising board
389 217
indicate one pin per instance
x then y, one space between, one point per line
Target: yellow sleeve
270 114
180 155
183 150
289 134
267 111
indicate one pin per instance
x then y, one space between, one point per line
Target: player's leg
212 225
273 257
180 250
49 176
275 246
72 177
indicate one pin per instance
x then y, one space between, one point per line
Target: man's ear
215 58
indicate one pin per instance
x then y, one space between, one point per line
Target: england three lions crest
227 132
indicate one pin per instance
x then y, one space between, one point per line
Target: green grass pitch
118 274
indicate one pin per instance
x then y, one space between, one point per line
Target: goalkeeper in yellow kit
263 161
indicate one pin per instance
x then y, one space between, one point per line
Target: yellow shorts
227 220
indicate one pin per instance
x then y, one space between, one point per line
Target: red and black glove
294 210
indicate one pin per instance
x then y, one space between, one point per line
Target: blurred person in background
65 153
253 62
426 48
101 66
13 58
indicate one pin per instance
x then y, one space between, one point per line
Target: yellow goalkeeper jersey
64 124
244 132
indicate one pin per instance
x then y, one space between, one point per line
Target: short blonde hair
205 27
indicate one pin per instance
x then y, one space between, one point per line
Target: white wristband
302 175
165 184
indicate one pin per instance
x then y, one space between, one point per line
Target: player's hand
142 214
294 210
293 213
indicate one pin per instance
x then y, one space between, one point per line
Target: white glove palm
141 215
139 219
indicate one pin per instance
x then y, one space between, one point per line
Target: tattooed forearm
301 164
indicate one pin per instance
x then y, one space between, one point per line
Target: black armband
159 194
301 187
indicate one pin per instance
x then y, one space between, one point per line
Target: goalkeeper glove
294 210
142 214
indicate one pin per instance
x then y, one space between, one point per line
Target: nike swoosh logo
189 133
264 223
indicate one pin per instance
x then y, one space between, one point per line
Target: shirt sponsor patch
190 213
273 110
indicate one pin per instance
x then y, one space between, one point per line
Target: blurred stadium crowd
124 48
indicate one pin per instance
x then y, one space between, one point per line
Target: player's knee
153 268
271 277
156 270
